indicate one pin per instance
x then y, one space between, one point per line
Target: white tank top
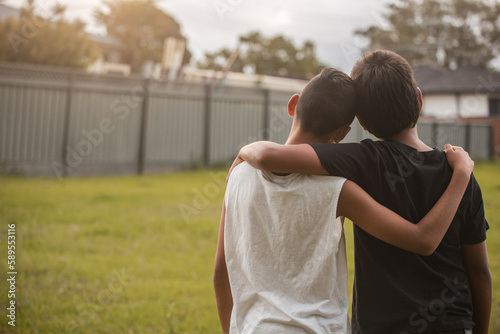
285 253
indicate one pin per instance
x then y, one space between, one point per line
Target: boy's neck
297 137
410 138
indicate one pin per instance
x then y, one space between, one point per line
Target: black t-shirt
399 291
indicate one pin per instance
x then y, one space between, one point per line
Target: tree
442 33
141 27
272 56
52 41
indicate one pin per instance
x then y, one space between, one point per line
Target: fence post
467 139
66 122
208 118
492 150
265 121
141 159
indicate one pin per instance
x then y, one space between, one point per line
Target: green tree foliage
443 33
36 39
276 56
141 27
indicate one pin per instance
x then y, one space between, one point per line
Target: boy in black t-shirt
396 291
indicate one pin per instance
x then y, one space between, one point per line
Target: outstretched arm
422 238
221 280
278 158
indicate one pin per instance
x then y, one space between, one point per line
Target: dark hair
387 97
326 103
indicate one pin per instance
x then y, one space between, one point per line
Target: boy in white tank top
281 263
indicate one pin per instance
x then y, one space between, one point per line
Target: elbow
262 158
426 243
486 276
426 248
428 252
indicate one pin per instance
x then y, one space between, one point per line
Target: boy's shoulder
396 148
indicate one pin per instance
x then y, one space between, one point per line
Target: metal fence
60 122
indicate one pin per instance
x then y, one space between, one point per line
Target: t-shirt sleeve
347 160
475 224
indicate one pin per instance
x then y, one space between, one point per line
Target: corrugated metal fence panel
425 131
480 144
237 119
438 134
279 122
105 125
31 122
450 133
175 129
105 116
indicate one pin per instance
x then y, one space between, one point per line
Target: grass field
135 254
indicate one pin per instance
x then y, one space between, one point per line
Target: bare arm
422 238
221 280
281 158
476 264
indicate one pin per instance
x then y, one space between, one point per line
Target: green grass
135 254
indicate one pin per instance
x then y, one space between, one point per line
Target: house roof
105 40
465 80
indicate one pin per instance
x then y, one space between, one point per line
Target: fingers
448 147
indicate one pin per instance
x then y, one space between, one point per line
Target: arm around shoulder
421 238
282 158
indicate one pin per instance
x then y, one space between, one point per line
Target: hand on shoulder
459 159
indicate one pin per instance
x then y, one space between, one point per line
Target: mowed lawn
135 254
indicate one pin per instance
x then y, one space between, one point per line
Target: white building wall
101 66
439 106
472 105
454 106
245 80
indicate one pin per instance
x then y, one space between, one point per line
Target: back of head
326 103
387 94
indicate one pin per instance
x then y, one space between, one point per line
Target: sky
210 25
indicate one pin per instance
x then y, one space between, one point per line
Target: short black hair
326 103
387 94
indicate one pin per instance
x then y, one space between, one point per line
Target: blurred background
153 99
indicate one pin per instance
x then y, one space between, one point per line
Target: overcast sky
212 24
